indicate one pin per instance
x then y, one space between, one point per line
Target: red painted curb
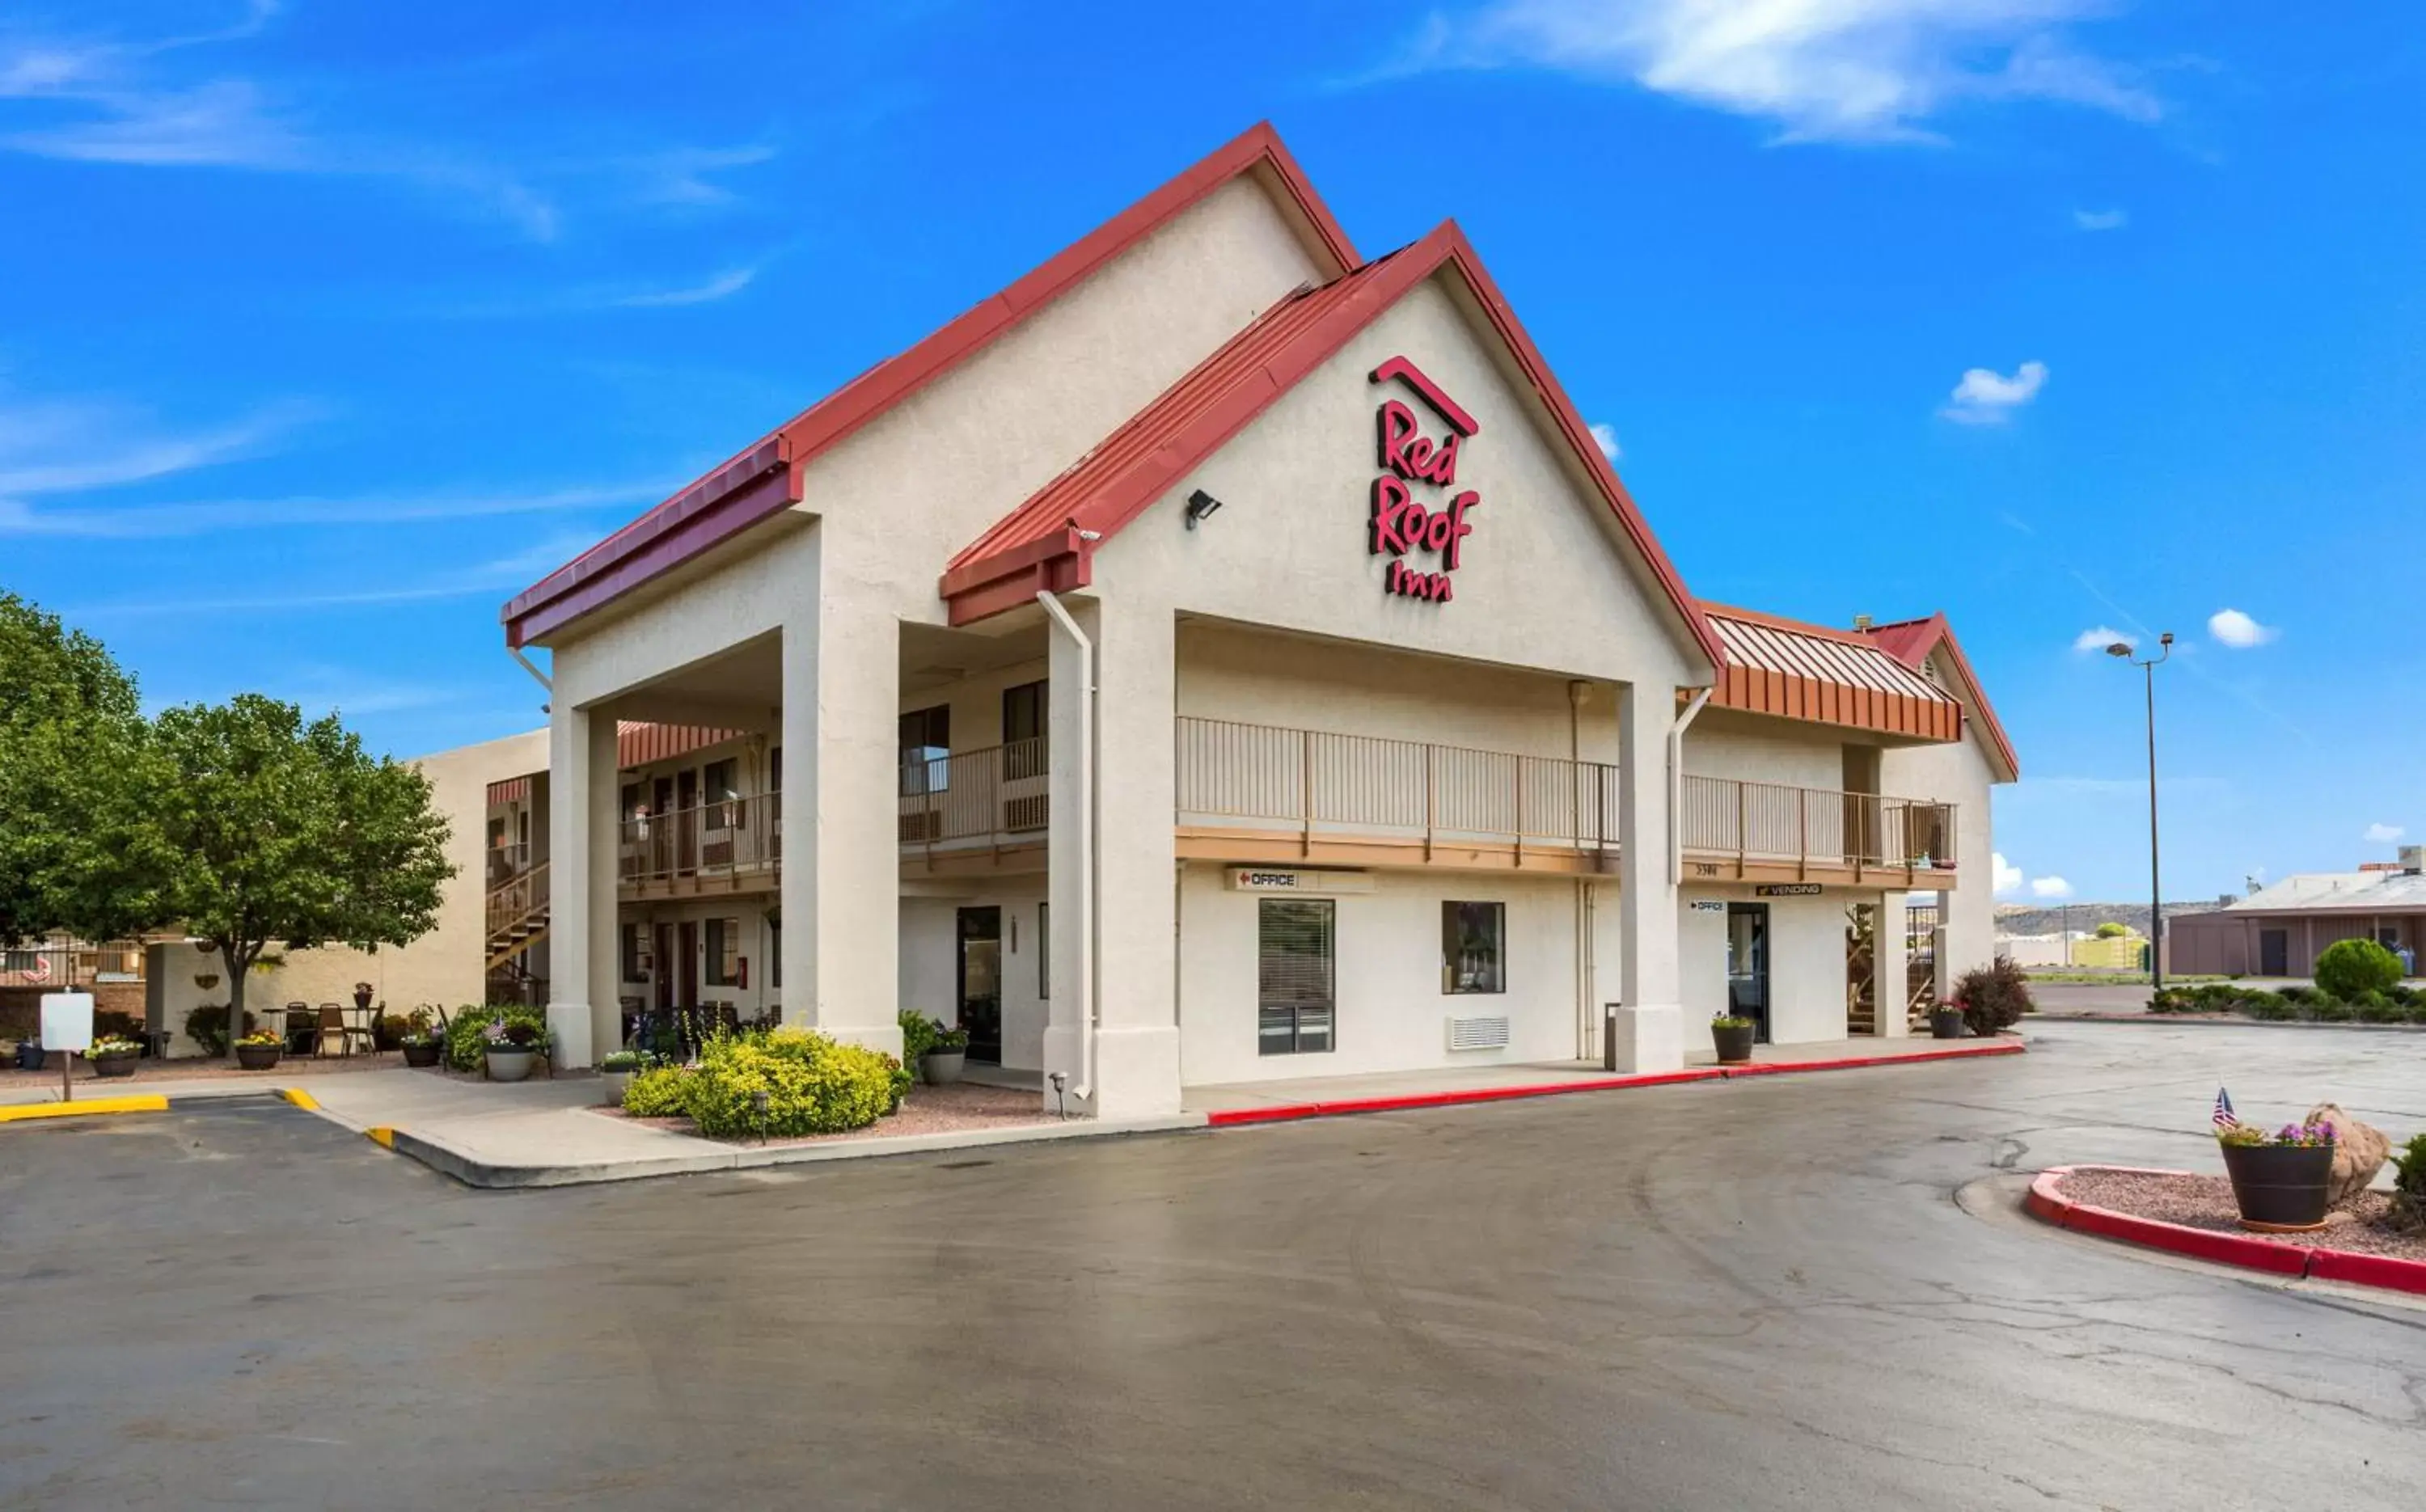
2050 1206
1290 1112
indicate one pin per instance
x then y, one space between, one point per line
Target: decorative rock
2360 1153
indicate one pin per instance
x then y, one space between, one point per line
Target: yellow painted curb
154 1103
382 1136
301 1099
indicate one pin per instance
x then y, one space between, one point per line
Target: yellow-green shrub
660 1093
814 1085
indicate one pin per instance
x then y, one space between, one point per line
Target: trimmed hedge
2293 1005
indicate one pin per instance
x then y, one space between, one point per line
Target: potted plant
421 1043
1945 1020
947 1057
615 1073
114 1056
259 1051
510 1045
1733 1037
363 994
2280 1180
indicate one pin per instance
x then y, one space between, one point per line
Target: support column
583 1013
1112 862
1890 967
1941 950
1650 1028
842 859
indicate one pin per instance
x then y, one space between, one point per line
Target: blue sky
323 328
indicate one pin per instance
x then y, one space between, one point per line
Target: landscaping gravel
2206 1202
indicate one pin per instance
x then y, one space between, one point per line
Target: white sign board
67 1021
1709 905
1275 879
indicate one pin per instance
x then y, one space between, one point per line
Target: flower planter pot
257 1058
422 1056
2279 1186
29 1056
1734 1045
1944 1023
113 1065
510 1065
611 1085
942 1068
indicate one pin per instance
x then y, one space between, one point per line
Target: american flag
2224 1118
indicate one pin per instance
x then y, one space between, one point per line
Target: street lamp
2156 890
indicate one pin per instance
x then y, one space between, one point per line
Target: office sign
1291 879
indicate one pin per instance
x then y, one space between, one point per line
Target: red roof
766 478
1839 677
1050 540
1910 641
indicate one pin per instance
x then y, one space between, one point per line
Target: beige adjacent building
1221 656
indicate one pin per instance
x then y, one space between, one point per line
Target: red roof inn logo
1402 523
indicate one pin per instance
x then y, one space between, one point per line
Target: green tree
2110 930
290 832
77 771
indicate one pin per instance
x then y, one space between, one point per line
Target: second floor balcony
733 843
1767 831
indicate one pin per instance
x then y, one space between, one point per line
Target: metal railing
722 841
506 862
995 795
517 898
1767 822
1317 782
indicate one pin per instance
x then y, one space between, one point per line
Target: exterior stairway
517 915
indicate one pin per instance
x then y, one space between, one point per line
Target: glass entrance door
980 979
1748 965
1294 977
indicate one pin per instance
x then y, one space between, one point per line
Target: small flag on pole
2224 1118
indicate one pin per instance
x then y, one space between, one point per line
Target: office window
1474 946
1294 975
925 749
1026 716
723 952
1045 951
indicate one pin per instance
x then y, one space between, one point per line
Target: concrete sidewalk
1302 1097
549 1132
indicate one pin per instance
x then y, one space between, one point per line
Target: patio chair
297 1027
332 1022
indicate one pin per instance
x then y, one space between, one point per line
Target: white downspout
530 666
1084 819
1676 785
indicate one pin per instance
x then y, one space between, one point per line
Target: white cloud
2237 629
133 522
722 286
2050 887
2100 219
2008 876
506 572
1824 70
66 446
1987 398
2382 835
2097 637
1604 436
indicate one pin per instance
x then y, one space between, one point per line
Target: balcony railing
715 844
1319 783
520 895
991 797
1762 822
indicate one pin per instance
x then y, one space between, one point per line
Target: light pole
2156 889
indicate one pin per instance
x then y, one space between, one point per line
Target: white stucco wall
1391 1013
931 960
1806 962
1747 749
1959 774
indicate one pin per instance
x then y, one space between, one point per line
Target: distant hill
2038 919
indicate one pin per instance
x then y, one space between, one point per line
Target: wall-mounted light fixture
1199 505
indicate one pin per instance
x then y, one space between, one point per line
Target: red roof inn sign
1410 460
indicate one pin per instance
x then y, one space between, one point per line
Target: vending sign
1419 450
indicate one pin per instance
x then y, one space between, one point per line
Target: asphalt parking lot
1759 1294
